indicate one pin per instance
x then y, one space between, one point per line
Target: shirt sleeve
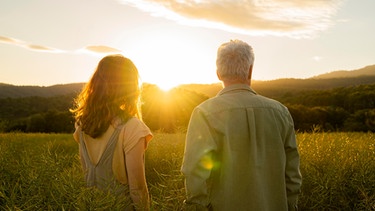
198 162
135 129
293 176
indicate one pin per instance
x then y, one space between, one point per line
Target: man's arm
198 162
293 176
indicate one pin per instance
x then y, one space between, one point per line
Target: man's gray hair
234 59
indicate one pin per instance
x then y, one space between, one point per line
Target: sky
48 42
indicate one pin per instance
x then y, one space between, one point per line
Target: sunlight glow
171 58
167 85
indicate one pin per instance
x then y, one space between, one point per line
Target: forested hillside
337 104
366 71
8 90
273 88
340 104
161 111
280 87
339 109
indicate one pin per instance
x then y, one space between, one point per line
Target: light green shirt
241 153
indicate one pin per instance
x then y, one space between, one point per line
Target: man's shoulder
270 101
267 99
255 100
211 104
213 100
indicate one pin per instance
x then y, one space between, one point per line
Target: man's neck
227 83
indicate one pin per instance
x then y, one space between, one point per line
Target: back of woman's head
234 59
113 91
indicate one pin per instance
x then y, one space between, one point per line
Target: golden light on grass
337 168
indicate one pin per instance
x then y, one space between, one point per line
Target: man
241 151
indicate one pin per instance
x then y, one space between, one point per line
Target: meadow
42 172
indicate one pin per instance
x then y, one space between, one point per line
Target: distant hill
366 71
12 91
279 87
272 88
209 90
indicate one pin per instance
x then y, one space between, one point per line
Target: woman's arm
136 176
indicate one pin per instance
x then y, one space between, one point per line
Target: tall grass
42 172
163 162
338 171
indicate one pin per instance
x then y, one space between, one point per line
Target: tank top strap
85 153
110 148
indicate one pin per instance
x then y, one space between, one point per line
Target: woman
109 129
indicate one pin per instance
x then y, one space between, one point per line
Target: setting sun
166 85
172 58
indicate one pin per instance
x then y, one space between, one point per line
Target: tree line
164 111
339 109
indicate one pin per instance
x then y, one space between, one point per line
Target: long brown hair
113 91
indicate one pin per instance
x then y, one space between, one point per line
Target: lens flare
207 162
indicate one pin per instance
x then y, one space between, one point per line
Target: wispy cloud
42 48
33 47
257 17
8 40
101 49
97 49
317 58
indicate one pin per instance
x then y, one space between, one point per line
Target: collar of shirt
236 87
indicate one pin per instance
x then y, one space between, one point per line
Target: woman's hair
234 59
113 91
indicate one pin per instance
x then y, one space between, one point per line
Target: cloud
294 18
101 49
43 48
8 40
317 58
98 49
12 41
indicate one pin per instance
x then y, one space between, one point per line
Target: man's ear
218 76
250 72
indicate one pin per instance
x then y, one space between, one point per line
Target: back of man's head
234 60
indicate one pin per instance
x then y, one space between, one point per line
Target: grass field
42 172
